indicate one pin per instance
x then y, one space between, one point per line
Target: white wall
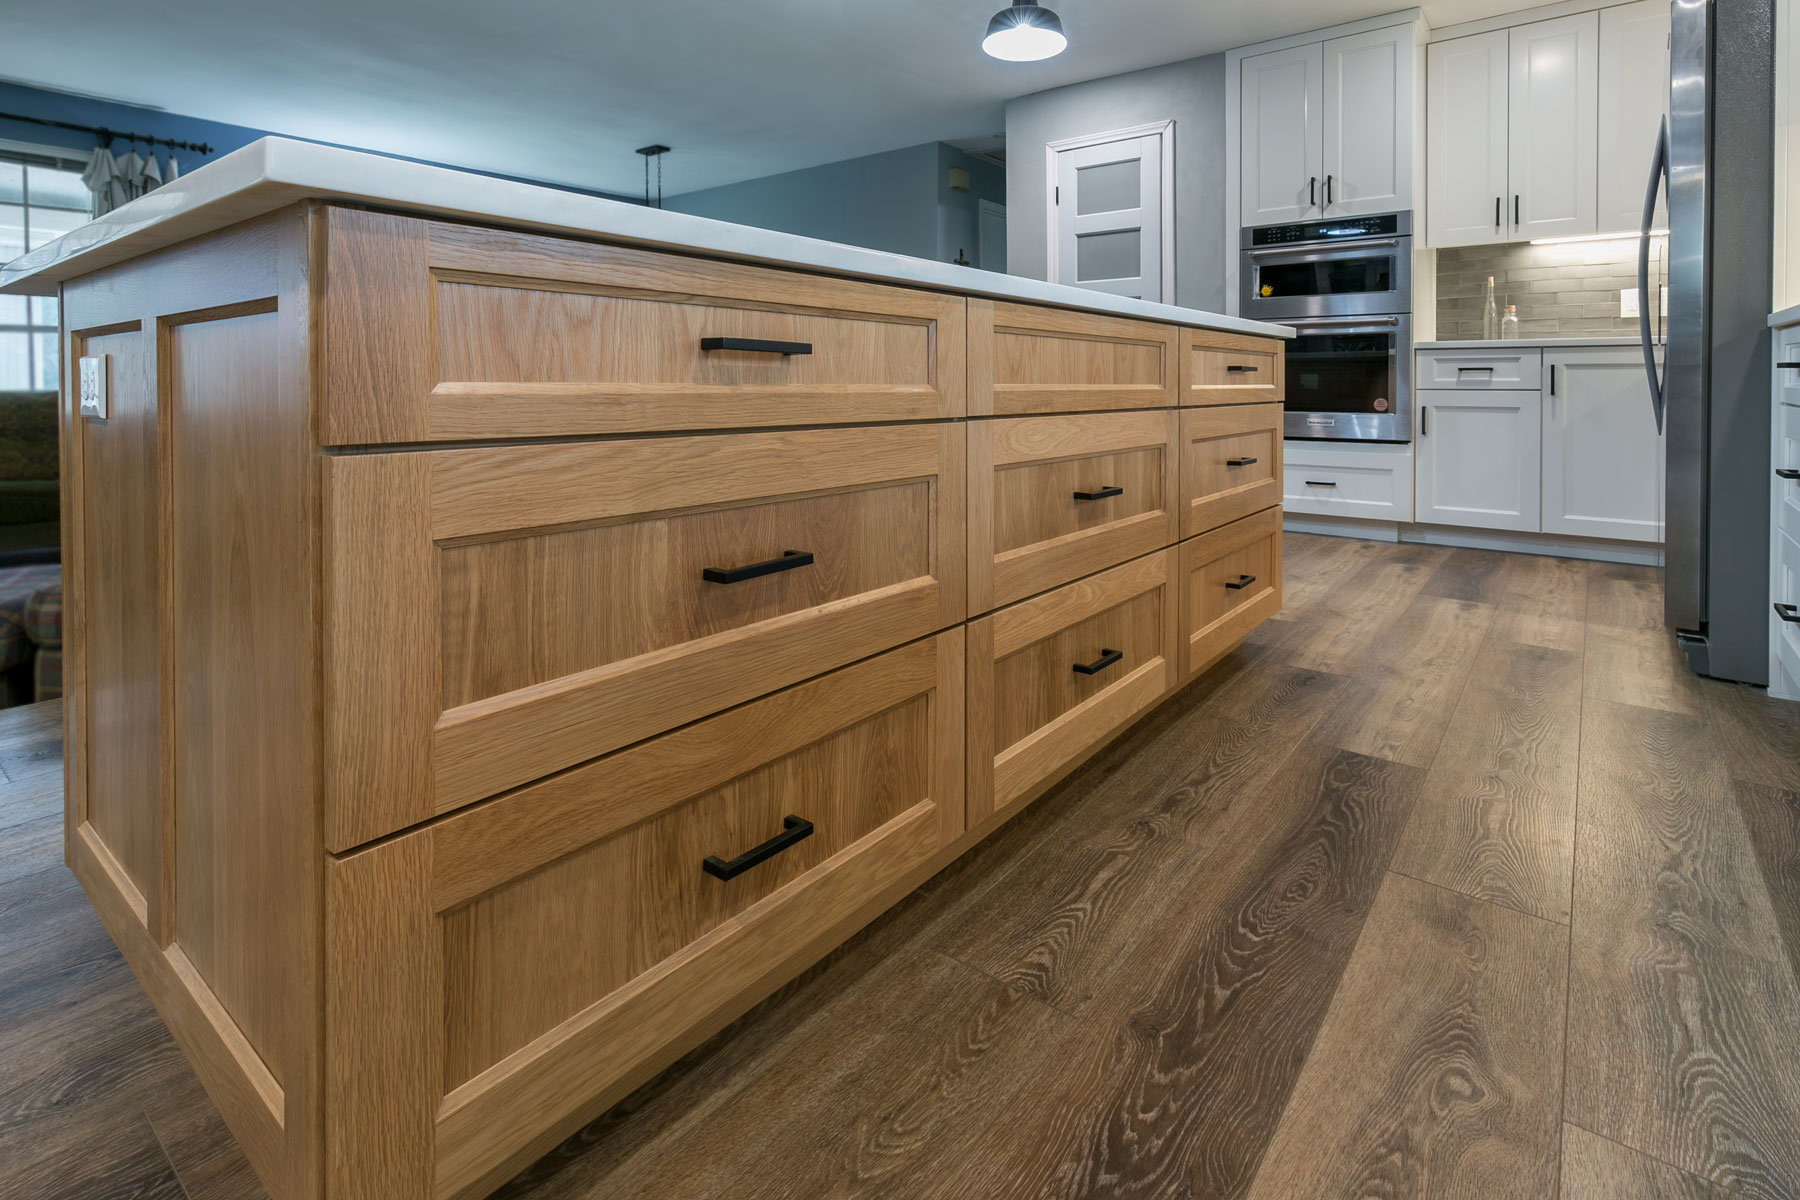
1787 154
1192 94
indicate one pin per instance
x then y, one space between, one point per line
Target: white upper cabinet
1282 123
1465 139
1552 107
1634 95
1368 85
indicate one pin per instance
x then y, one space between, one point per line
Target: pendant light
1024 33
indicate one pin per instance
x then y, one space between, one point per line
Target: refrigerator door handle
1659 178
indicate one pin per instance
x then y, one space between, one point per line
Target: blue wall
58 106
958 212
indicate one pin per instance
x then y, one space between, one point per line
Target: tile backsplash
1568 289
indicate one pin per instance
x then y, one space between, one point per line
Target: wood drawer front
1024 359
1229 368
1028 532
1217 483
568 931
1216 615
499 613
1031 713
1481 370
442 332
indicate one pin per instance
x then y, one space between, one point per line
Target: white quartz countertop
274 172
1527 341
1784 318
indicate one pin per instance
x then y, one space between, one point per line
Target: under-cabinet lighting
1595 237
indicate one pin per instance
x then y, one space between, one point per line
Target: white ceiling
566 90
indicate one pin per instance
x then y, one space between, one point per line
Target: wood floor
1452 882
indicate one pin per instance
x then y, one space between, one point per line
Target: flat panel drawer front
1231 580
1230 464
441 332
1024 359
584 921
1228 368
1054 498
1052 676
527 608
1787 458
1484 369
1378 488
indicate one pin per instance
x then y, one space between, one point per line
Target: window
41 198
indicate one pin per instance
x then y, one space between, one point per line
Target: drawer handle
1788 613
794 829
755 345
1787 473
1239 462
1101 494
1460 370
1107 658
1320 483
787 562
1246 370
1241 582
1788 366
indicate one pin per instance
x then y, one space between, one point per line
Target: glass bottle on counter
1490 315
1509 324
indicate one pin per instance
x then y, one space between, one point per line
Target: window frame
30 155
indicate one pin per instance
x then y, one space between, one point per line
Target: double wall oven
1346 288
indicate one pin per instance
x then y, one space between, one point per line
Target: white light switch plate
1628 302
93 387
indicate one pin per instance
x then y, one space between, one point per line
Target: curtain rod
108 135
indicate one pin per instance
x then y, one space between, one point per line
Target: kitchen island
513 632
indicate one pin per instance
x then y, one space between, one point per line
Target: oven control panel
1326 231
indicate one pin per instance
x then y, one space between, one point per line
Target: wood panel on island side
1450 882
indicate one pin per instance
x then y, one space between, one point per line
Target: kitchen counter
1481 344
1785 317
272 173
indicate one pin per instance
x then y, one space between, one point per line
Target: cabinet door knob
1107 658
794 829
787 562
1241 582
1100 493
755 345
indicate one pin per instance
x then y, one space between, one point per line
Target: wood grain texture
1772 819
1682 1011
1352 604
1207 357
1631 658
1432 1074
1497 818
1543 602
375 329
1594 1168
1230 582
1025 359
1217 483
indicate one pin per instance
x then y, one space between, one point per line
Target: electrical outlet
93 387
1628 302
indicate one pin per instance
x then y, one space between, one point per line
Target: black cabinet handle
1107 658
1100 494
1239 462
1515 208
788 561
1553 379
1312 191
1787 473
1496 214
1241 582
755 345
1788 366
1328 191
1460 370
1320 483
1788 613
1424 420
1245 370
794 829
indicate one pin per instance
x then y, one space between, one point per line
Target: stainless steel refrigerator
1715 160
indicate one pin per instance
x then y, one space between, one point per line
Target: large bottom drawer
567 932
1371 481
1051 677
1230 583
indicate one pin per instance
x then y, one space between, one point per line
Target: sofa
30 579
30 633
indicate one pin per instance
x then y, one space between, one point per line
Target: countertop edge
272 173
1782 318
1530 342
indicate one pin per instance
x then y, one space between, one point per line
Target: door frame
1165 130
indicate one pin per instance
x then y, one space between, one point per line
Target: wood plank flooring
1451 882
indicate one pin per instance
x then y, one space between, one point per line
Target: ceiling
565 91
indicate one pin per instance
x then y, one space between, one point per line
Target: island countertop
272 173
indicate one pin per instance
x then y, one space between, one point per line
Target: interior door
1603 455
1109 217
1368 85
1465 137
1553 111
1634 97
1281 128
1478 459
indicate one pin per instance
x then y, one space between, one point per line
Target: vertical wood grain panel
377 329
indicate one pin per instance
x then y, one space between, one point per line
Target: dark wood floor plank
1478 575
1772 820
1341 629
1683 1016
1544 603
1624 595
1438 1071
193 1136
1215 1014
1401 701
1496 819
1760 736
1596 1169
99 1151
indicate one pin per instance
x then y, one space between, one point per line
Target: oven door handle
1318 248
1301 324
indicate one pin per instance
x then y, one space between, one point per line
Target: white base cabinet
1603 457
1784 520
1369 481
1478 459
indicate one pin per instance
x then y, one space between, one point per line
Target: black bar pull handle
1787 473
1496 214
755 345
1321 483
1788 613
1245 370
1327 191
1553 379
1788 366
1515 208
1107 658
1460 370
1100 493
788 561
1312 191
794 829
1239 462
1241 582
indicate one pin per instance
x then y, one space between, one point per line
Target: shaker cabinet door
1465 138
1552 100
1634 96
1367 120
1478 460
1281 152
1603 456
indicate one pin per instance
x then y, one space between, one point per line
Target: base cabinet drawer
1479 369
554 939
1225 368
1057 497
1051 677
1230 464
1026 359
1374 482
1787 458
1230 583
496 614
